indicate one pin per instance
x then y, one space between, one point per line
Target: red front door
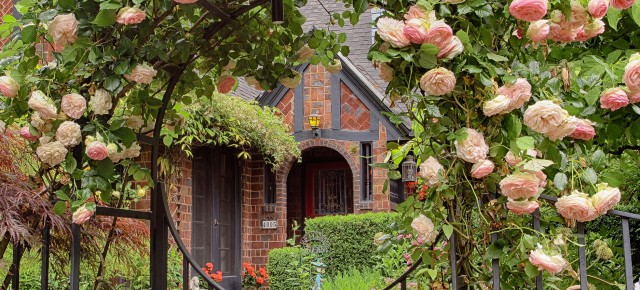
328 189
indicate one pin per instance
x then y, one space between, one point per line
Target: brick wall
317 95
354 114
286 109
6 7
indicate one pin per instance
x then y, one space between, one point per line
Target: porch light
277 11
409 170
314 123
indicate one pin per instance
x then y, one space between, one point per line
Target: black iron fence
581 231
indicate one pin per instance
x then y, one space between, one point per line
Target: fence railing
582 257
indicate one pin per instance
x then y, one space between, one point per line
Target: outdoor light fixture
314 123
409 170
277 11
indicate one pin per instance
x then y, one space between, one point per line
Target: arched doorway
321 185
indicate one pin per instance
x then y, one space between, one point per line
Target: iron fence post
536 226
44 270
75 257
15 269
626 240
583 257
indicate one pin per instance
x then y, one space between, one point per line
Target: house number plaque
269 224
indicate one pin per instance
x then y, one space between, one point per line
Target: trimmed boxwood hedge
349 238
289 269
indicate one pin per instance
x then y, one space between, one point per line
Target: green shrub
349 238
289 269
354 279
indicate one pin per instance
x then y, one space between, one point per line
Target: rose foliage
509 100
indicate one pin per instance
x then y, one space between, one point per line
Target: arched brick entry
342 147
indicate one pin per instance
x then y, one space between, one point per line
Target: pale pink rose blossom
8 86
52 153
606 198
519 92
73 105
64 29
97 150
438 81
25 133
496 106
226 83
185 1
130 15
565 129
528 10
81 215
424 229
415 30
622 4
450 51
544 116
44 126
538 30
634 97
614 99
577 206
631 75
520 185
415 12
142 74
473 149
100 102
482 169
391 31
522 207
594 28
69 134
541 176
439 34
42 104
598 8
579 15
556 16
584 130
562 32
431 171
551 263
513 160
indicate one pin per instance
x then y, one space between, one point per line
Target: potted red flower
252 279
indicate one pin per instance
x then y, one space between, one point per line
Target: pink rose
622 4
512 159
631 75
8 86
130 15
561 32
528 10
565 129
63 29
415 12
634 97
431 171
591 30
552 264
52 153
439 34
519 93
81 215
544 116
142 74
606 198
579 15
538 30
541 176
614 99
73 105
522 207
438 81
415 30
577 206
473 149
226 83
43 105
598 8
424 228
186 1
26 134
454 48
97 150
520 185
391 31
496 106
482 169
584 130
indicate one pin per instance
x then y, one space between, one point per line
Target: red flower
263 272
209 266
259 280
217 276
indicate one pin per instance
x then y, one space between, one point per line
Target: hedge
349 238
289 269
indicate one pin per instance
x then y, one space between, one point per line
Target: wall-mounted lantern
409 170
314 123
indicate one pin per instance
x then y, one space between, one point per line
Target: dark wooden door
216 213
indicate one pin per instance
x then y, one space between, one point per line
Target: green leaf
635 12
560 180
139 175
62 196
513 125
360 6
70 163
427 61
531 270
29 33
613 178
59 207
105 168
494 250
464 38
167 140
67 4
636 109
433 110
429 48
537 164
105 17
126 135
433 273
495 57
447 229
598 159
525 142
589 175
613 17
394 174
378 56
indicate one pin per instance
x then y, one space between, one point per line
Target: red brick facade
354 116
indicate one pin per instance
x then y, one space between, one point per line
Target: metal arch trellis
161 222
580 227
